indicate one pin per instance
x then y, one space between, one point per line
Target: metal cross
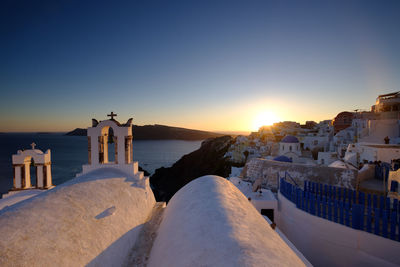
112 115
33 145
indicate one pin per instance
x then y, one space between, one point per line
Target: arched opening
26 172
111 145
33 173
107 146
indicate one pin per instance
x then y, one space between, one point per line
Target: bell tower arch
22 162
98 145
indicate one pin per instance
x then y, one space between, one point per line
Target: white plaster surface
326 158
290 244
342 165
326 243
24 157
262 199
209 222
367 172
91 220
37 155
379 129
14 197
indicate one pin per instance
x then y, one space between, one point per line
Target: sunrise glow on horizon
214 66
266 118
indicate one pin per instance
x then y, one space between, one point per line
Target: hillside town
357 140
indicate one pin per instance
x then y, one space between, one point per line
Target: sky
209 65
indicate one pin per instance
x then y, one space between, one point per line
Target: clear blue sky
212 65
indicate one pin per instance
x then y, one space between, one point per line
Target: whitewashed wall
325 243
91 220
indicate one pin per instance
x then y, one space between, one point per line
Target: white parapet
90 221
130 169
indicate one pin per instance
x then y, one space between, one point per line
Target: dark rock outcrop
160 132
146 173
77 132
208 159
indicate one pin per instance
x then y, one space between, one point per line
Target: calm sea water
68 153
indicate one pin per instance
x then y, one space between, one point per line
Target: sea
69 153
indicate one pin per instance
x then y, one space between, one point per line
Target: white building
326 158
312 141
325 127
289 146
262 199
378 130
360 152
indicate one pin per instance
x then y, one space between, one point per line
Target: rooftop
290 139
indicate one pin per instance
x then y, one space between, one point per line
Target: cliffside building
368 152
387 106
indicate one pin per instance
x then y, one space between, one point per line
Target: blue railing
382 170
394 186
286 176
366 212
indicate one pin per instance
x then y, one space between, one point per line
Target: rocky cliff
208 159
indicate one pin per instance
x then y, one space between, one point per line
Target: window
269 213
290 148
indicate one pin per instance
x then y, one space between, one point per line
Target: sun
265 118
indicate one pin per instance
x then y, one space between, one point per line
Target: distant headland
160 132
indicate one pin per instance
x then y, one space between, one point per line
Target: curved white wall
93 219
209 222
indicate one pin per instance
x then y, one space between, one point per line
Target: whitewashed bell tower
98 141
22 162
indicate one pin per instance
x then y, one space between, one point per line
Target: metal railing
365 212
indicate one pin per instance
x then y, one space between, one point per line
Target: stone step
141 251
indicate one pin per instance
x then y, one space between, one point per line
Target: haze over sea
68 153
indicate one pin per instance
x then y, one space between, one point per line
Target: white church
108 216
289 147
